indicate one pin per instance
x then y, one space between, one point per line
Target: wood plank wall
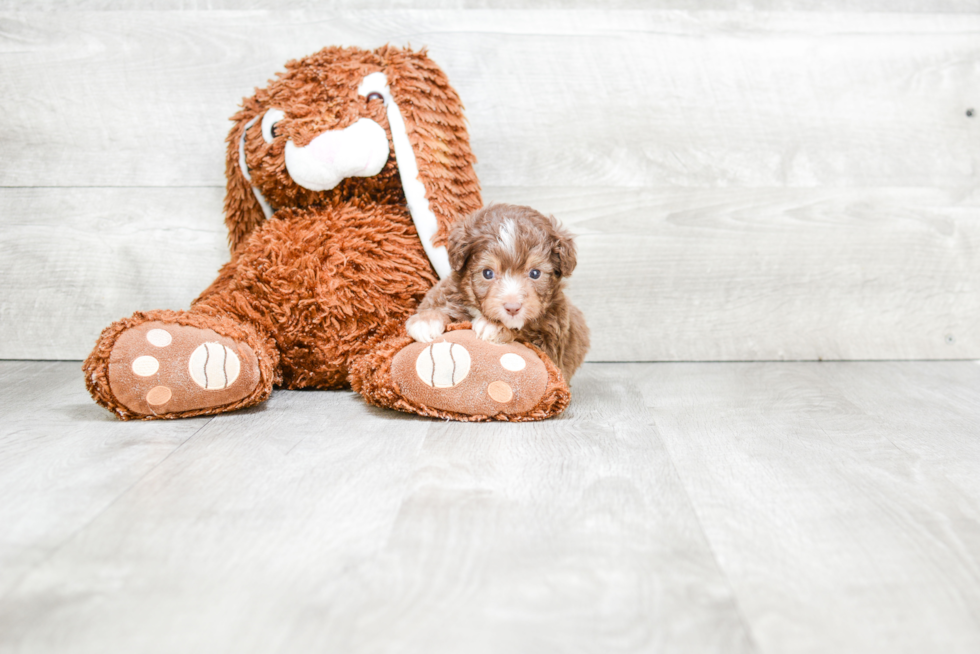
778 180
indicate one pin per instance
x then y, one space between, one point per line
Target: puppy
509 268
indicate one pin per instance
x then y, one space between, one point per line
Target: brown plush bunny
344 174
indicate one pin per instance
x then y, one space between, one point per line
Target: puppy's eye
269 120
374 95
534 274
487 273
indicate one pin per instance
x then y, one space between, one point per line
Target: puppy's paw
492 332
426 326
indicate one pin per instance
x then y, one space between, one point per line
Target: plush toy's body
334 243
324 285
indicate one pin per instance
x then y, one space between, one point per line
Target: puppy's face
511 262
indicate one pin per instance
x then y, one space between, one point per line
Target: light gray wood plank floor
688 507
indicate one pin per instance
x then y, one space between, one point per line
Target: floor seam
64 543
743 619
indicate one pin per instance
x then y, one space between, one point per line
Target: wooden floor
683 507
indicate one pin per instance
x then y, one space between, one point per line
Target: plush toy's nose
513 308
360 150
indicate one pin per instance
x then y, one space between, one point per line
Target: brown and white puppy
509 265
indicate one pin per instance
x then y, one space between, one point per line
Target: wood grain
890 6
317 523
687 507
745 184
77 259
940 418
568 535
773 274
663 275
826 493
64 461
282 499
607 98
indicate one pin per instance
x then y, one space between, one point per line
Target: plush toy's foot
162 369
462 377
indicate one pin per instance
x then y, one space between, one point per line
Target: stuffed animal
343 175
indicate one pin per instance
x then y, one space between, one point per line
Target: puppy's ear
563 255
462 239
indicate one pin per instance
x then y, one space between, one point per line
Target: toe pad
160 368
461 373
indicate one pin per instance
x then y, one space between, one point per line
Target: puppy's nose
513 308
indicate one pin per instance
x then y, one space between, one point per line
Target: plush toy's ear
243 212
563 256
436 128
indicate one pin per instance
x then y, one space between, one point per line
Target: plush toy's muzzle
342 175
360 150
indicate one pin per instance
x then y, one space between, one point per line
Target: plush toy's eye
374 95
487 273
534 274
269 120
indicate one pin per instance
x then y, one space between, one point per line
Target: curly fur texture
331 274
319 93
371 377
509 264
96 366
323 285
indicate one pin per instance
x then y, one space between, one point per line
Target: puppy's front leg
425 326
491 331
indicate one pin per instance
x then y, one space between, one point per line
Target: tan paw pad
465 374
190 369
443 365
159 337
500 392
214 366
513 362
145 366
159 395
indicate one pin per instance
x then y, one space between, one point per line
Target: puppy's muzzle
513 308
360 150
